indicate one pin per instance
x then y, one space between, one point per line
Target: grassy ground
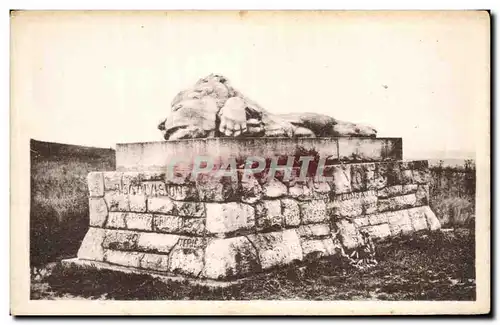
425 266
59 197
452 192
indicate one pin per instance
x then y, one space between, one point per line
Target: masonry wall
227 228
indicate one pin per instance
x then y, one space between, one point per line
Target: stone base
220 229
246 254
164 277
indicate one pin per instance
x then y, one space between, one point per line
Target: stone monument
236 191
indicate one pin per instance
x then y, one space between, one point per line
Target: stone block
98 212
156 243
139 221
129 259
418 219
273 189
152 175
117 202
406 165
348 234
268 215
313 211
406 176
320 190
192 242
359 150
370 177
380 231
230 257
314 231
369 202
397 190
158 155
250 189
370 168
189 209
95 182
167 224
397 203
301 192
160 205
394 176
120 240
379 179
216 189
390 191
91 247
432 220
345 208
181 173
193 226
131 180
358 177
182 192
318 247
147 188
137 203
409 189
116 220
394 149
179 225
291 212
361 221
228 217
285 174
268 207
400 222
289 176
277 248
341 178
112 181
379 218
187 257
155 262
422 195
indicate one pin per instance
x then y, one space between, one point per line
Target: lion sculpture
213 108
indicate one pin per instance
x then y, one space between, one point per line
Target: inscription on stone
354 195
153 188
190 242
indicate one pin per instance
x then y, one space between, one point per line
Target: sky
98 79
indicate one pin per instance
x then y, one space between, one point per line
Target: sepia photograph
212 162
